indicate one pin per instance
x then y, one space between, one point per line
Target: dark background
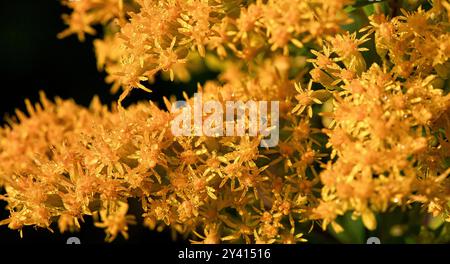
32 58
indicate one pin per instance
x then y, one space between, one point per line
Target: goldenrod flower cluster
359 134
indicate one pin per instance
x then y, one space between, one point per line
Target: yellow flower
116 222
306 99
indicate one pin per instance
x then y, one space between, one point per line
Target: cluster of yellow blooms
355 136
161 34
